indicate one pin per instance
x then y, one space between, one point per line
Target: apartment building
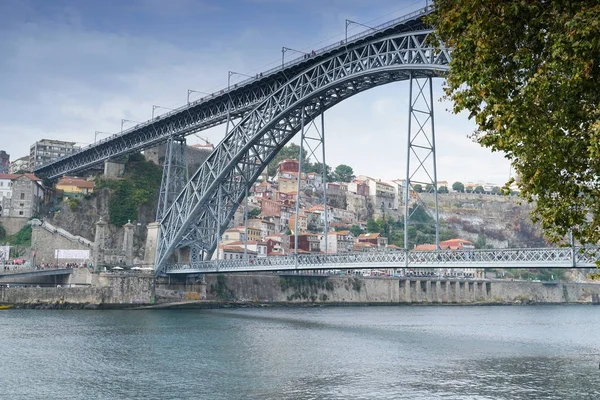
48 150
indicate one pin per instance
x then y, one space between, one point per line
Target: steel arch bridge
208 201
271 108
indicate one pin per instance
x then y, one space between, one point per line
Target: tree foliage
527 72
458 187
139 186
343 173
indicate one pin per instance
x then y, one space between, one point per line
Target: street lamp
155 107
96 133
190 91
127 120
230 73
284 49
349 22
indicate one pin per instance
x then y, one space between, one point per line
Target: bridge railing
536 257
295 61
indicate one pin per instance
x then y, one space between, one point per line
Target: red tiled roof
17 176
369 235
77 182
425 247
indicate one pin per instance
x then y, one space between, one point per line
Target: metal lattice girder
505 258
421 166
237 100
175 175
216 189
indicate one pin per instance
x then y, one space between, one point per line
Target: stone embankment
118 290
296 289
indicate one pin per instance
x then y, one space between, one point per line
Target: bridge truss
202 210
562 257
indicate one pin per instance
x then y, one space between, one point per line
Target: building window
20 212
22 196
21 204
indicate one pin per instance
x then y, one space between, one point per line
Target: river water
528 352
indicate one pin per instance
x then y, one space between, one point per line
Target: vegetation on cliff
21 238
140 185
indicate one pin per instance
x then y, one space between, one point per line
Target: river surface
528 352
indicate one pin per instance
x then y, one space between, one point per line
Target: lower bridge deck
561 257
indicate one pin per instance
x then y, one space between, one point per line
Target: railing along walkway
562 257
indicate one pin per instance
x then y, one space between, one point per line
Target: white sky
70 68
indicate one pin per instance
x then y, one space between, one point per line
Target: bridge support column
421 149
175 175
439 296
128 243
99 244
150 248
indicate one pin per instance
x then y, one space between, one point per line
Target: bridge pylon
175 175
421 167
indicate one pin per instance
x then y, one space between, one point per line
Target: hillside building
48 150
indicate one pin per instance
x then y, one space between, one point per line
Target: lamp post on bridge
350 22
96 133
154 107
190 91
284 49
127 120
229 75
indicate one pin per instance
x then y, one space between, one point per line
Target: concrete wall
46 242
110 289
13 225
316 288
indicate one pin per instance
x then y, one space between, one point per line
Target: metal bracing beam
175 174
421 167
260 134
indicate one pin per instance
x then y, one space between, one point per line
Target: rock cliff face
81 218
504 221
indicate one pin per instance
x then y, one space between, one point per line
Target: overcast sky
72 67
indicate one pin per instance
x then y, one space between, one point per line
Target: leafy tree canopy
458 187
528 73
343 173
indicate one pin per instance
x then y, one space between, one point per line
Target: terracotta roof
369 235
363 245
339 233
456 241
17 176
235 249
425 247
77 182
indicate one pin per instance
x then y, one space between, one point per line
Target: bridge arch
208 201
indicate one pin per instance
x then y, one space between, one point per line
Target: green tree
343 173
254 213
2 232
479 189
496 190
418 188
429 188
372 226
355 230
527 72
458 187
443 189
